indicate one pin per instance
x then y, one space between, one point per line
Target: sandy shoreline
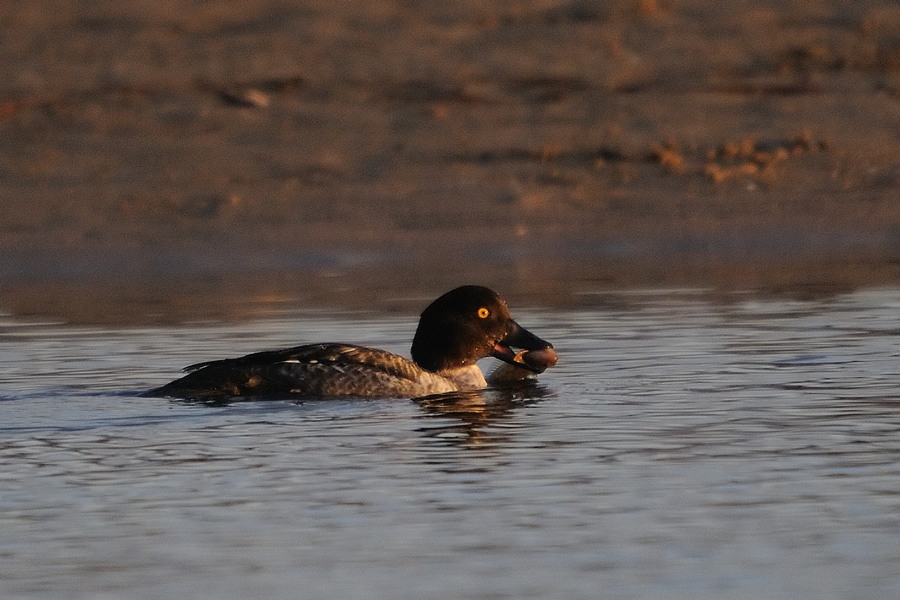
183 163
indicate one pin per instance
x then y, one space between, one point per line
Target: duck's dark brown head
467 324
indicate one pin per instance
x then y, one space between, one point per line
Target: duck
455 331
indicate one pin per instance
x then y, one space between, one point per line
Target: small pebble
538 360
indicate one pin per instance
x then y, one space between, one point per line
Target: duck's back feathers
312 370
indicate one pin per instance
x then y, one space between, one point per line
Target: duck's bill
534 354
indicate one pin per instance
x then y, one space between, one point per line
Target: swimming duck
462 326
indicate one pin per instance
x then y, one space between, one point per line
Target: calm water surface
680 449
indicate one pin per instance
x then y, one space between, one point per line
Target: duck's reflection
477 418
460 419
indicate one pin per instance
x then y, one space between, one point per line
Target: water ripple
679 450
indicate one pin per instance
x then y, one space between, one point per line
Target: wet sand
213 161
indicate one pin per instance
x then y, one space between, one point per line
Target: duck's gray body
325 370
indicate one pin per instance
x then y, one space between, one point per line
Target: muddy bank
213 161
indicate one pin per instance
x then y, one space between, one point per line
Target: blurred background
696 202
163 162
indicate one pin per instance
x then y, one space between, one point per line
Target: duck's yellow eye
483 313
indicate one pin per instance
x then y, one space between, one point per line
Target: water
680 449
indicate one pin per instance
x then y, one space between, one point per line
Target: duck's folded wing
315 370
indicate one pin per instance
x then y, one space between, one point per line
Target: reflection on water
477 418
680 449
